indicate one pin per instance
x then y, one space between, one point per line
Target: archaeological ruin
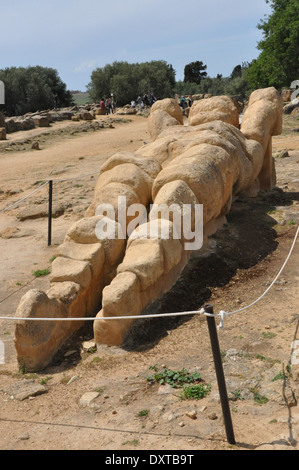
208 161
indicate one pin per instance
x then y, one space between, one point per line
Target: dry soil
126 410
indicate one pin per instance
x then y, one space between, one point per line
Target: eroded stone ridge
207 162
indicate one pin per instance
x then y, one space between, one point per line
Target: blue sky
77 36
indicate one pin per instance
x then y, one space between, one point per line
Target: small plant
143 413
53 258
268 335
135 443
237 395
41 272
195 392
279 376
175 379
292 222
270 360
22 369
45 380
258 398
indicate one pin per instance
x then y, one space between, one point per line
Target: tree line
35 88
30 89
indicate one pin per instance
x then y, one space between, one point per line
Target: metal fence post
50 213
220 375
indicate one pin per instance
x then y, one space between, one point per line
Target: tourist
183 103
102 104
108 105
140 102
113 103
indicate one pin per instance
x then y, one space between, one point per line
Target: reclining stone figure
208 162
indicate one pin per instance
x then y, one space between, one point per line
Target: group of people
108 104
148 99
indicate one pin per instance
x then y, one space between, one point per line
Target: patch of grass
134 442
268 335
268 359
52 258
81 98
258 398
143 413
195 392
41 272
175 379
237 395
45 380
292 222
279 376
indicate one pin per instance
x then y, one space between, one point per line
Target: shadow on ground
248 237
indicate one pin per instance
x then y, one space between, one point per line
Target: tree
278 62
127 81
29 89
237 72
195 72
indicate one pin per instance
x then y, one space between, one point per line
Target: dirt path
127 411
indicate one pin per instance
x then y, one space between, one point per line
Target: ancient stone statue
207 162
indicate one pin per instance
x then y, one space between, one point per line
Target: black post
50 213
220 375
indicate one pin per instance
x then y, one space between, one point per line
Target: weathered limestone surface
208 162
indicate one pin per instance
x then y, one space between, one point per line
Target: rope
283 141
124 317
23 199
76 177
55 181
222 314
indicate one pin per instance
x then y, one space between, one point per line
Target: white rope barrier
284 141
45 184
75 177
222 314
124 317
24 198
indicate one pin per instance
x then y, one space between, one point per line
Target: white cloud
76 36
86 66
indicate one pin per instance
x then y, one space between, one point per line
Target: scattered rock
35 146
288 108
212 416
191 414
38 211
87 399
88 346
25 389
73 379
41 121
2 133
69 353
284 154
